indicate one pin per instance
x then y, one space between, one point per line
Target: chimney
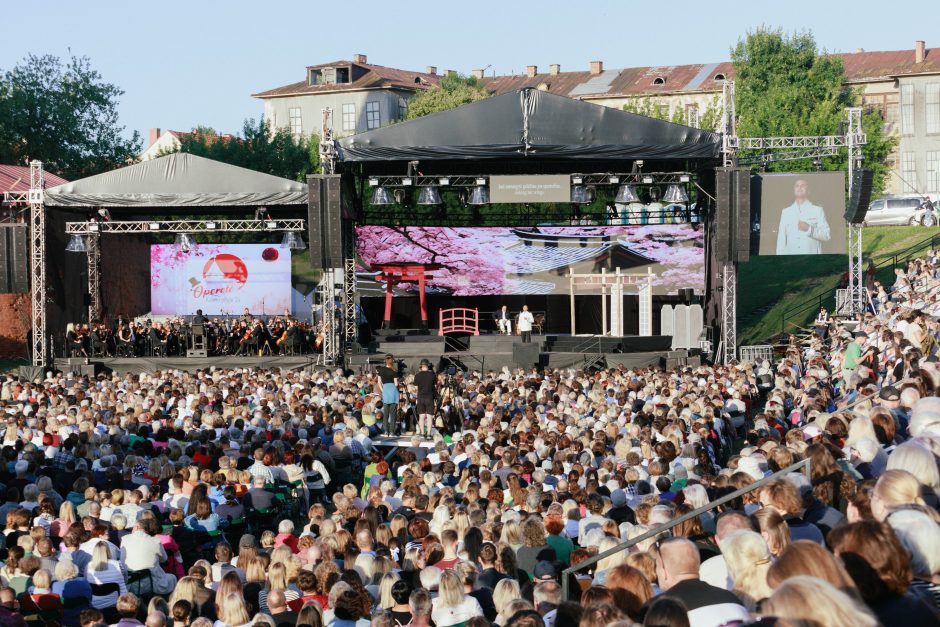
554 69
360 58
478 74
531 70
919 52
597 67
450 72
432 70
154 135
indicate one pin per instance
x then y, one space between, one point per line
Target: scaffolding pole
93 244
855 139
37 262
728 271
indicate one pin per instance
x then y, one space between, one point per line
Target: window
402 107
349 117
932 108
659 80
933 171
909 172
907 109
296 122
373 117
719 76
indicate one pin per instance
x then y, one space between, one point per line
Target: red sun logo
226 266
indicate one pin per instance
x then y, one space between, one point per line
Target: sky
183 64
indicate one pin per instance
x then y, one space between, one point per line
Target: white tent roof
178 180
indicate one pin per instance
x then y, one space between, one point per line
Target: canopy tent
178 180
532 124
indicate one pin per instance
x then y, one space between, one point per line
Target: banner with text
530 188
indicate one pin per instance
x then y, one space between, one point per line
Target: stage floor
137 365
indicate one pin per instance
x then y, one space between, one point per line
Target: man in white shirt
526 320
803 226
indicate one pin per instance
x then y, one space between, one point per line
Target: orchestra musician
158 340
74 340
125 340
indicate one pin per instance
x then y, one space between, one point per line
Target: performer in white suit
803 225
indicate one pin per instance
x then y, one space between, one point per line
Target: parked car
912 210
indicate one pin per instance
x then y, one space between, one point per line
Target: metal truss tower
728 270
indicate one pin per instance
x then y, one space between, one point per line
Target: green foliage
258 148
785 87
658 108
63 114
453 90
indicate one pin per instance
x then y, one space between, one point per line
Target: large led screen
499 260
219 279
802 213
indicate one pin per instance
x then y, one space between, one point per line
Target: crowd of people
229 498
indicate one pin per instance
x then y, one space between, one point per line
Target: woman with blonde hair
232 612
506 590
810 601
511 535
748 560
440 518
277 580
102 570
894 490
67 518
386 601
773 528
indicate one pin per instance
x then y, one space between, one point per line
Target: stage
138 365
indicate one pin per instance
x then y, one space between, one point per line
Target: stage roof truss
464 180
184 226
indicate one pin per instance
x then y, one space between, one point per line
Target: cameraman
426 383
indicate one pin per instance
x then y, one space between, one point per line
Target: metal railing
803 465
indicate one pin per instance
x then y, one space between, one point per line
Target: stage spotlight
373 182
210 226
429 196
380 196
582 195
76 244
627 194
293 241
185 241
479 196
154 226
676 194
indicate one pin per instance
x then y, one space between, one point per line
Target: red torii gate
405 272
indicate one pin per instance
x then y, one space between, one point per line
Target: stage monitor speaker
859 196
742 214
525 355
314 220
723 185
333 221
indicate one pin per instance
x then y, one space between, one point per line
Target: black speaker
686 294
314 215
859 196
742 214
525 354
723 231
14 259
333 222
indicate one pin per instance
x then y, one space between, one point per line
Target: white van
900 210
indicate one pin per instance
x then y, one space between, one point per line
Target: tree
453 90
785 87
63 114
658 108
258 148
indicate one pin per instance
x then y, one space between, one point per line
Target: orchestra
245 335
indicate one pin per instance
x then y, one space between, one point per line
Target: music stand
198 340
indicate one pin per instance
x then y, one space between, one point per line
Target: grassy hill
769 286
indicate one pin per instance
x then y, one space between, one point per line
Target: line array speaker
325 220
723 183
859 196
14 263
742 214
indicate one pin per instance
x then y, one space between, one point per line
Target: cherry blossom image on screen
537 260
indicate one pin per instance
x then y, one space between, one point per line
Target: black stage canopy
532 124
